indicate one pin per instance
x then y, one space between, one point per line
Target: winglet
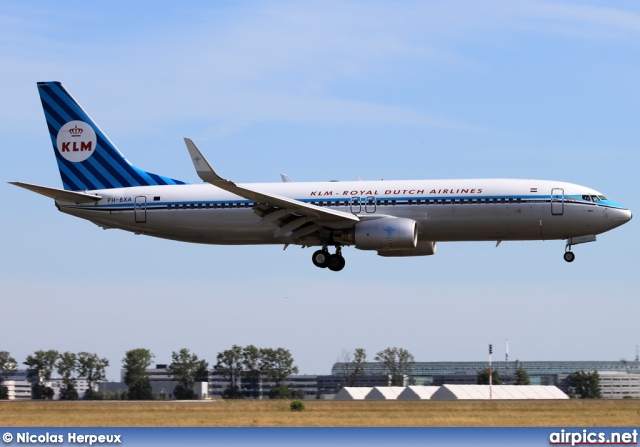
203 168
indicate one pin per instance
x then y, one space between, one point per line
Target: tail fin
86 158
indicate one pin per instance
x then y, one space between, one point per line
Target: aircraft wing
290 215
59 194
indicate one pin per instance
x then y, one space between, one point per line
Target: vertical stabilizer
86 158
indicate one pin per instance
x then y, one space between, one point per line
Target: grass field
321 414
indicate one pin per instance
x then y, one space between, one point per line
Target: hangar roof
385 393
417 392
352 393
499 392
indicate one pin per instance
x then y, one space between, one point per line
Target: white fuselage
445 210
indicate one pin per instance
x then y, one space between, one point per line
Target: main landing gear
323 259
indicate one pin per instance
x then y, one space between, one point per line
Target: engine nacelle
424 248
386 233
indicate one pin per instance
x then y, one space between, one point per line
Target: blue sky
320 91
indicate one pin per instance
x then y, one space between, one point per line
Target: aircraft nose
622 216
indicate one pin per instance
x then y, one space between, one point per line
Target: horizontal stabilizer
59 194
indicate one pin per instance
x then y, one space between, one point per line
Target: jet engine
382 234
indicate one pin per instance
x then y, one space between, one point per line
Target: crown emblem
75 132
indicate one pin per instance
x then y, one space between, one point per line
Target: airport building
618 379
17 389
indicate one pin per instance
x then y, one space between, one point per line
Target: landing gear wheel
336 263
569 256
321 258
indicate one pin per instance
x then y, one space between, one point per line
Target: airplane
393 218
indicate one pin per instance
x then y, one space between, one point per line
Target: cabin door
140 209
557 201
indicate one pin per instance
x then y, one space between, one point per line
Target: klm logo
389 230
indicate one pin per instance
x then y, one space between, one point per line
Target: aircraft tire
569 256
336 263
320 258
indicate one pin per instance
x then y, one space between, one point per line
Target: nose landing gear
569 256
323 259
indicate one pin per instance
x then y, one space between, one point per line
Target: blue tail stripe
114 177
106 167
95 168
64 100
156 178
148 177
121 165
77 177
68 183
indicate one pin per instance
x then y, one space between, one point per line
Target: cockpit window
595 198
602 198
586 198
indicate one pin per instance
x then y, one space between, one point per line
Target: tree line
396 363
70 366
186 369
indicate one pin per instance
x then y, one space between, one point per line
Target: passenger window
495 200
386 202
393 202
